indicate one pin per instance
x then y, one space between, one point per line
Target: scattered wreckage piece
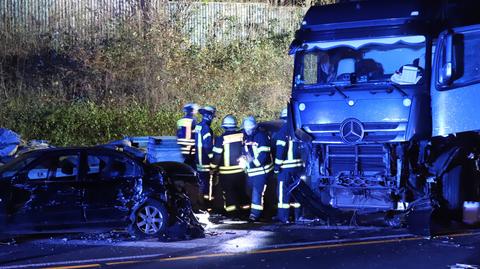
422 217
12 146
95 186
464 266
153 148
9 143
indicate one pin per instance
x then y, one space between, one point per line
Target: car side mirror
447 71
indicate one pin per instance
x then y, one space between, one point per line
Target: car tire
149 220
452 191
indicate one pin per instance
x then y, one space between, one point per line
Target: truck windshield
400 60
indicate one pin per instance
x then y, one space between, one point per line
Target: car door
455 87
111 181
48 192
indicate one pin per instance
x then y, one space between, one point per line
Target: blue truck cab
386 98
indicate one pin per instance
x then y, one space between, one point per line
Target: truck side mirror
447 71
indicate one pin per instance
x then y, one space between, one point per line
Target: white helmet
208 110
249 124
190 108
229 121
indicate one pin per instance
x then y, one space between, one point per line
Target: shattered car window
68 166
104 167
14 167
61 167
39 172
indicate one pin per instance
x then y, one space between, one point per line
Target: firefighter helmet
229 121
190 108
207 110
249 124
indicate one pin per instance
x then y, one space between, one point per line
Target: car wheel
149 220
452 191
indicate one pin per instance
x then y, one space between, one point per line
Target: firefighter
203 148
226 155
185 133
288 165
258 164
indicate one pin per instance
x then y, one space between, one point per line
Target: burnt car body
97 187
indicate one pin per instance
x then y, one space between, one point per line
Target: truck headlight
301 107
407 102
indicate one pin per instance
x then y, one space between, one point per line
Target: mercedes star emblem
352 131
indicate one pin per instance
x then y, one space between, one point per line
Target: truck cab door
455 85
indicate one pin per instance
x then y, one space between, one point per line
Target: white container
471 212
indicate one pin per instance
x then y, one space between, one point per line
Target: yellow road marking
120 263
76 266
456 235
266 251
199 256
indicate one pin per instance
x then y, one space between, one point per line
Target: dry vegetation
70 90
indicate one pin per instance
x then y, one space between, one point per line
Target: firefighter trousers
285 199
235 189
258 186
205 184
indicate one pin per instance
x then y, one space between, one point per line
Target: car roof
75 149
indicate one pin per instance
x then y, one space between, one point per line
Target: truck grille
357 160
375 132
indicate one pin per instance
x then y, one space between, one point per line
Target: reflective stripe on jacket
227 152
288 153
257 148
186 135
203 146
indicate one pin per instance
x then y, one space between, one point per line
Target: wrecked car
97 187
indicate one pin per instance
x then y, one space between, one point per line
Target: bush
84 123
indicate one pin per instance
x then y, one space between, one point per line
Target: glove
242 162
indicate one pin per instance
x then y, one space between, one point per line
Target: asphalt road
248 246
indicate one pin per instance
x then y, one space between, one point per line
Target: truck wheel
452 191
149 220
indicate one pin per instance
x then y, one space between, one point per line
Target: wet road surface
248 246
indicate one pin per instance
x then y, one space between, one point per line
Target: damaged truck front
370 79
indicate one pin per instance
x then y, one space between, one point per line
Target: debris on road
463 266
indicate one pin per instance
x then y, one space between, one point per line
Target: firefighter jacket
186 135
288 154
203 146
257 149
227 152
